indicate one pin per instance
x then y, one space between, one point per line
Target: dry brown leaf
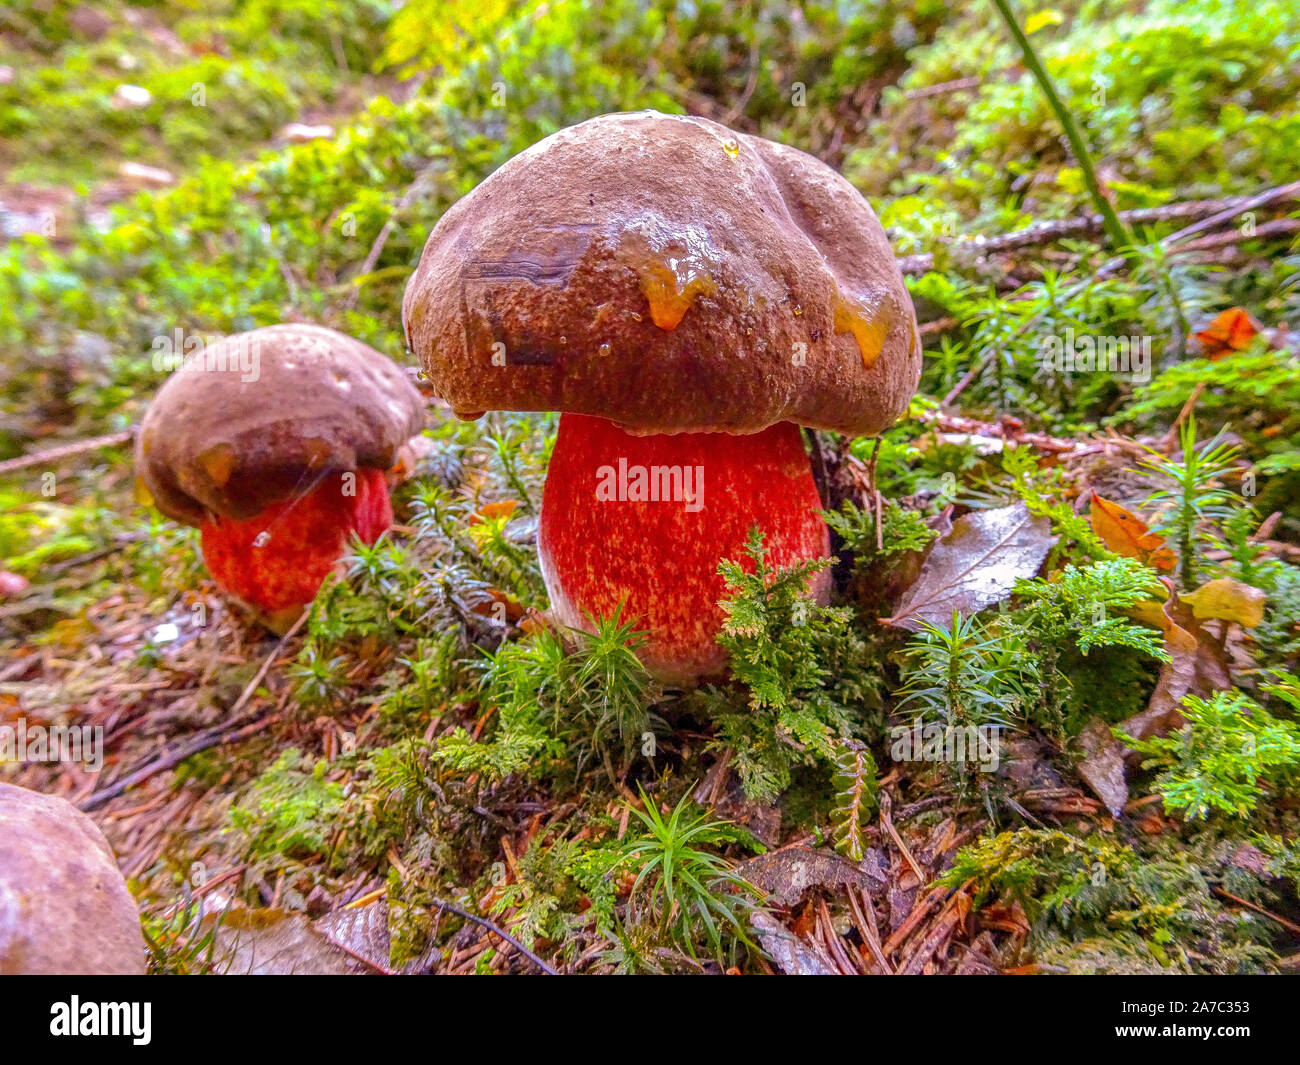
793 955
361 932
493 511
275 943
1102 767
976 564
1198 666
785 875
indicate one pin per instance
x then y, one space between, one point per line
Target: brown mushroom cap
64 906
670 275
214 443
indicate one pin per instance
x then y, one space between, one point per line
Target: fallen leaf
498 605
1198 665
1152 823
1102 767
1149 612
493 511
906 565
361 932
792 954
1229 600
1040 19
1231 330
786 874
1128 535
277 942
976 564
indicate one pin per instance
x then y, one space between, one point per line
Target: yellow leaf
1228 599
1041 19
1148 612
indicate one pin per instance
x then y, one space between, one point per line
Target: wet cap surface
269 414
670 275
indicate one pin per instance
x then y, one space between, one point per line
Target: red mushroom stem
643 521
275 561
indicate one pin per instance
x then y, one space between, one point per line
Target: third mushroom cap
686 296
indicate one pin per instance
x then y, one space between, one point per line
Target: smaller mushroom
64 907
276 445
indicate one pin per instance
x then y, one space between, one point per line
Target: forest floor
411 781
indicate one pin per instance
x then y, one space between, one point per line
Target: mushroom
64 906
274 444
686 296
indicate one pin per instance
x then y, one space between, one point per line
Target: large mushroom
64 907
275 444
686 296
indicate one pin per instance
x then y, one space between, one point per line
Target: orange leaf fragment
1126 534
492 511
1232 330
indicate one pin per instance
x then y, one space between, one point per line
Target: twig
483 922
751 83
864 918
1085 225
940 930
1166 444
943 87
119 542
1280 192
921 877
251 687
201 742
1120 238
876 497
834 945
1278 227
58 454
381 238
919 911
230 733
1290 926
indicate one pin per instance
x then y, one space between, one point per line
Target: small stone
298 133
155 176
131 96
